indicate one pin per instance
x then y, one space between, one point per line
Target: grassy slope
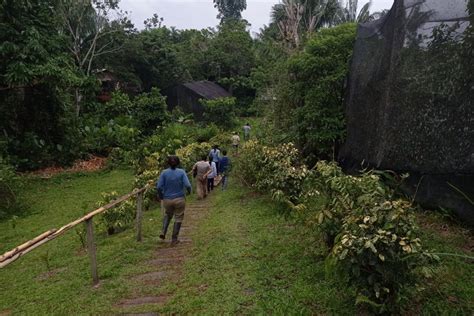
55 278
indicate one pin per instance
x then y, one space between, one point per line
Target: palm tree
350 12
295 18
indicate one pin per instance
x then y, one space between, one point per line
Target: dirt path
165 267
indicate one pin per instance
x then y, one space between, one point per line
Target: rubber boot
166 223
174 238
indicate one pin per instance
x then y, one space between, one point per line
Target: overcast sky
198 14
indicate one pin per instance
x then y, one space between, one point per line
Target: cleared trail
165 268
236 256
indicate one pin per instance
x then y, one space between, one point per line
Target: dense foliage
77 78
53 76
118 217
313 92
230 9
371 236
219 111
276 170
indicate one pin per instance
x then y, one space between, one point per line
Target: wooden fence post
139 215
92 250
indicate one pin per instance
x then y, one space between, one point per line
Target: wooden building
187 96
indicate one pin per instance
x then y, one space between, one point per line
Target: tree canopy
230 9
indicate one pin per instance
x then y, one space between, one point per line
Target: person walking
171 188
211 176
200 171
247 129
235 142
215 153
225 166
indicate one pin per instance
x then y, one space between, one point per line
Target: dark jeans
210 184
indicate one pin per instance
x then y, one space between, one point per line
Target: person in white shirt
235 141
247 129
215 153
211 175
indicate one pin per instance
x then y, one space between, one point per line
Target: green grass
249 257
59 200
451 289
55 278
250 260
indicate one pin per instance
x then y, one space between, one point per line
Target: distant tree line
52 52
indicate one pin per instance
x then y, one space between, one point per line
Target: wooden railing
12 255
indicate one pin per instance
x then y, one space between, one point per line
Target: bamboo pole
28 246
23 252
91 249
25 245
139 215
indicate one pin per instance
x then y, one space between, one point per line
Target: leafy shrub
219 111
273 169
167 139
192 153
119 105
177 115
379 249
311 93
205 133
372 238
222 139
338 195
148 173
149 110
100 137
243 89
120 157
119 217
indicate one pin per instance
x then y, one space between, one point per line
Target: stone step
143 300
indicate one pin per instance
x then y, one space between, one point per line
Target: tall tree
89 25
231 51
35 75
230 9
351 13
297 18
28 47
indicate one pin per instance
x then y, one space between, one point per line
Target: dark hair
248 124
209 158
204 157
173 161
224 152
215 146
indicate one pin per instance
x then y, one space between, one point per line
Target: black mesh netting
409 103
